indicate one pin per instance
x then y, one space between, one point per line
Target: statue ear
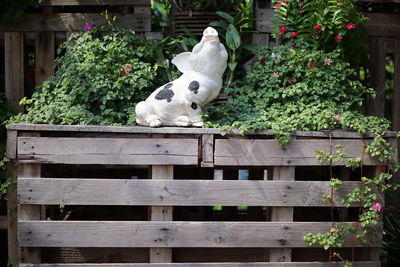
181 61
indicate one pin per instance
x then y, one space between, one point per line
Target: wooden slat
44 56
56 191
174 234
14 68
382 24
11 149
219 264
263 20
75 22
207 153
94 2
162 213
376 106
396 89
258 152
29 212
123 151
282 214
175 130
12 212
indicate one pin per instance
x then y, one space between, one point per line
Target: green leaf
219 24
226 16
232 66
232 38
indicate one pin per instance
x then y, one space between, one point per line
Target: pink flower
282 28
277 5
338 38
276 75
292 47
318 27
377 206
327 61
128 68
122 73
280 34
293 34
337 117
285 2
262 61
311 65
350 26
88 26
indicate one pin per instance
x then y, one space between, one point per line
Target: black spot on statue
194 105
194 86
165 93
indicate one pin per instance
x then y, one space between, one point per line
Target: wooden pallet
165 186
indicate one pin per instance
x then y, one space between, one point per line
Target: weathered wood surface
14 68
12 212
263 19
382 24
157 151
75 22
283 214
56 191
174 234
174 130
247 152
11 147
44 56
29 212
396 89
94 2
3 223
161 213
207 149
219 264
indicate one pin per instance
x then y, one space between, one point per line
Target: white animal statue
179 103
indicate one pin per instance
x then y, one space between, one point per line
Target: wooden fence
50 24
178 196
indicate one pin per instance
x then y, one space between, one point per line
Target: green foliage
232 31
391 239
204 5
296 88
333 238
100 78
325 25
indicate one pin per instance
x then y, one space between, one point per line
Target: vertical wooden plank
161 213
12 214
29 212
44 56
282 214
345 176
14 68
378 46
207 150
396 89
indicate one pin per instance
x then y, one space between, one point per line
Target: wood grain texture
94 2
44 56
247 152
175 130
57 191
14 68
173 234
382 24
75 22
219 264
124 151
378 47
396 89
3 223
161 213
263 20
282 214
12 213
207 145
11 148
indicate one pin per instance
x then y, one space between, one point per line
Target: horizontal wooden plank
382 24
124 151
174 130
210 264
173 234
75 22
56 191
258 152
94 2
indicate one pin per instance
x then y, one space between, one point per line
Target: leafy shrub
325 25
296 88
100 78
